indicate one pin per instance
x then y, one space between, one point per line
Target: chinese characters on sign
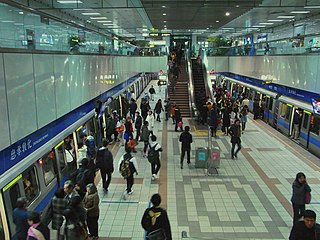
21 149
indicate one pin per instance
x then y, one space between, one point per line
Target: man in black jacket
152 93
138 125
186 140
155 220
104 162
235 132
306 229
133 108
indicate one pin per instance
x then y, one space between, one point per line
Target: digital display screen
248 40
45 39
316 106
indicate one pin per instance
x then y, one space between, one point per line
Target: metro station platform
248 199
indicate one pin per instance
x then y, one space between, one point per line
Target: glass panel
270 103
30 184
315 124
14 194
61 157
288 111
306 120
283 110
47 163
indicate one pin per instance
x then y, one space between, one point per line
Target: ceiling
132 18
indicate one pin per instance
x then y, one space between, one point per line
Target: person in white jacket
150 120
133 168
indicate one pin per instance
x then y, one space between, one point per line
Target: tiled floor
248 199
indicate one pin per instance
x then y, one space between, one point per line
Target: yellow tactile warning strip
163 180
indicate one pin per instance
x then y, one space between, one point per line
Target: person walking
58 205
91 204
226 121
177 119
158 109
20 216
154 156
235 133
110 128
128 132
145 107
155 220
145 134
186 140
300 188
307 229
213 120
244 117
150 120
127 167
37 230
152 92
166 109
138 125
104 162
133 108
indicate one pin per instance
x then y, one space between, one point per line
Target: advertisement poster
316 106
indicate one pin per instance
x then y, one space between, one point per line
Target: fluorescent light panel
95 18
104 21
68 1
312 7
90 14
266 23
285 17
258 26
300 12
275 20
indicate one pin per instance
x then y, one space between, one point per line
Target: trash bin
214 160
201 158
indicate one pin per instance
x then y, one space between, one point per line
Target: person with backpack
186 140
152 92
127 167
104 162
155 220
82 177
154 156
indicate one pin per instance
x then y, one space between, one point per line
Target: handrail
193 109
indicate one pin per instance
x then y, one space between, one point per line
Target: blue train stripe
46 200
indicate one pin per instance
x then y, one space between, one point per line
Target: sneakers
153 177
130 193
181 166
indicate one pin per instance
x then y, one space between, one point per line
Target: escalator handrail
193 109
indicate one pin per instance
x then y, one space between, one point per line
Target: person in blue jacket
20 219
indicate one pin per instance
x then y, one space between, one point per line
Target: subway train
41 172
279 109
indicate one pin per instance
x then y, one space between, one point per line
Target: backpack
153 155
125 170
81 177
104 160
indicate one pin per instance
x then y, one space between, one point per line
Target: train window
283 110
61 157
305 121
30 183
47 164
14 193
288 111
315 124
270 103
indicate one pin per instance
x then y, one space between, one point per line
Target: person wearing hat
20 216
155 220
307 228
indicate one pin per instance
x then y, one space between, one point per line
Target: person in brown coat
91 204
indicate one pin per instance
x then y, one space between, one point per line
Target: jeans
92 223
146 144
298 210
243 125
130 181
105 182
158 117
234 154
138 133
155 166
183 152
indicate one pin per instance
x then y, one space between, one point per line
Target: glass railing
309 44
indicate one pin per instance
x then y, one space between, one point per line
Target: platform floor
248 199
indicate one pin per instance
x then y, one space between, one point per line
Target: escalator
198 85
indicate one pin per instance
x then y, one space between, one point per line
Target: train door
284 120
4 231
270 110
314 137
304 130
61 162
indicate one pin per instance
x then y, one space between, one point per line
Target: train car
46 158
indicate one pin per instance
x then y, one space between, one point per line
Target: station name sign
159 34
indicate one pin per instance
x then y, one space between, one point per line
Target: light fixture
165 28
258 26
8 21
286 17
90 13
165 25
237 6
189 30
164 14
264 23
108 24
88 21
300 12
311 6
104 21
68 1
227 14
163 6
164 21
21 13
95 18
275 20
217 21
207 28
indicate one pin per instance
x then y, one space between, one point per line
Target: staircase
181 95
198 84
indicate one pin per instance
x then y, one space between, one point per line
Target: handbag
157 235
180 124
308 198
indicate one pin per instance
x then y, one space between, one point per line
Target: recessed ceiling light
227 14
300 12
237 6
312 7
288 16
217 21
264 23
165 25
275 20
227 28
164 21
164 14
108 24
21 13
7 21
189 30
90 13
104 21
207 28
163 6
258 26
68 1
165 28
98 17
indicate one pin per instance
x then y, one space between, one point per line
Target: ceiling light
300 12
21 13
165 25
7 21
237 6
82 9
104 21
164 21
108 24
264 23
275 20
217 21
164 14
258 26
90 14
312 7
163 6
165 28
227 14
289 16
189 30
88 21
227 28
68 1
98 17
207 28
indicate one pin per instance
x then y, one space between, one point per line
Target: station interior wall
36 89
296 71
